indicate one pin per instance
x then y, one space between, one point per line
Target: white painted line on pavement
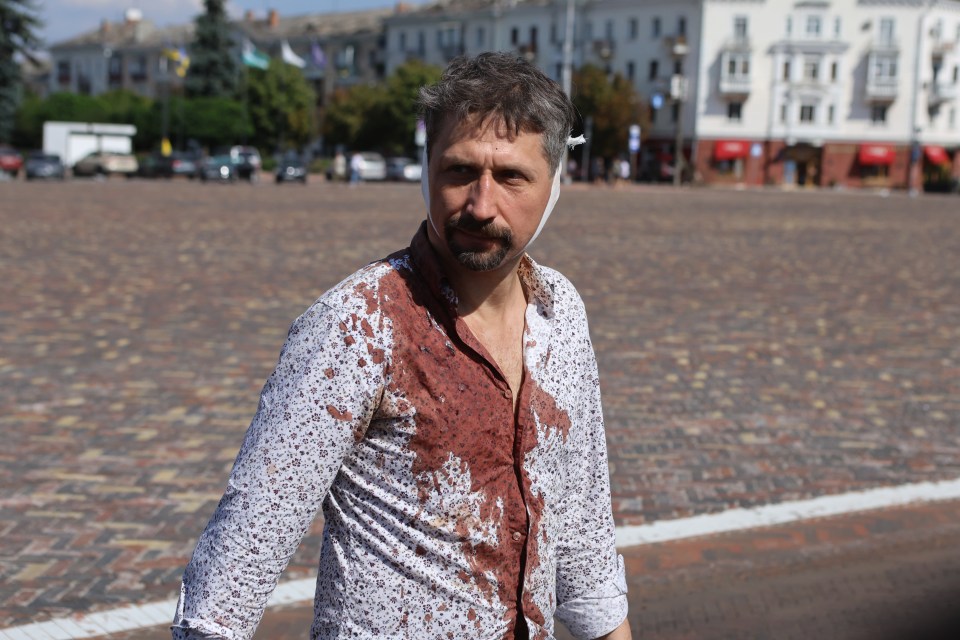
146 615
773 514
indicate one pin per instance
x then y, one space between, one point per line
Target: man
442 406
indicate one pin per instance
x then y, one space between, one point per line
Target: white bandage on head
551 203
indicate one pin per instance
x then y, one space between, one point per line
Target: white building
802 92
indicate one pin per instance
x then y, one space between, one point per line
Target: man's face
488 191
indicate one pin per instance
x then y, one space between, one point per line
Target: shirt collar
428 265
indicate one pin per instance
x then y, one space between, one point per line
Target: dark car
44 166
247 162
179 163
218 168
291 169
10 161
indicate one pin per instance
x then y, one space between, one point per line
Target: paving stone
754 347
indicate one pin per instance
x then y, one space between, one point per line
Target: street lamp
678 90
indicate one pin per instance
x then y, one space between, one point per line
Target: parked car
40 165
403 170
374 166
247 161
291 169
10 161
103 163
219 168
178 163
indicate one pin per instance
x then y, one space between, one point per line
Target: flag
180 57
288 56
252 57
316 55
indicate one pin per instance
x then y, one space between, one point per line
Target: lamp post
678 89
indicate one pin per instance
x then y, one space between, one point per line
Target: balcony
734 86
528 51
676 46
881 89
941 91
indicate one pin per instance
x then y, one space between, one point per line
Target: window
886 31
481 37
678 67
514 36
735 111
634 28
608 30
654 70
115 69
834 71
738 65
675 112
878 114
789 25
783 113
831 112
533 38
403 40
786 70
837 24
63 72
740 27
681 26
953 117
138 68
631 71
884 68
808 113
421 43
811 69
553 33
813 26
656 27
956 74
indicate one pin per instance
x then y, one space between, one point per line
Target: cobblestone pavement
754 347
890 574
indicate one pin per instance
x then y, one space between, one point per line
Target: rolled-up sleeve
591 584
313 409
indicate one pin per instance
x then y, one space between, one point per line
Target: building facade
784 92
756 92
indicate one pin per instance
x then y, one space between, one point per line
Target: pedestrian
339 167
441 406
357 165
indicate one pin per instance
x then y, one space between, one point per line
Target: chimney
401 7
248 15
273 19
104 26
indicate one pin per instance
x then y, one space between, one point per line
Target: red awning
873 154
731 149
936 155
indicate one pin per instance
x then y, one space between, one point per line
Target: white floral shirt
446 514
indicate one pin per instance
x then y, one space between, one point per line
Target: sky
67 18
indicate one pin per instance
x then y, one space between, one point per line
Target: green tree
379 117
213 68
213 122
613 104
18 38
281 105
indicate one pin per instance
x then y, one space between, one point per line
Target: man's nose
482 205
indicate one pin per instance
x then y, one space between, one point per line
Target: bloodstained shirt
446 514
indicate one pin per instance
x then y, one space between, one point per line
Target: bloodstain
343 416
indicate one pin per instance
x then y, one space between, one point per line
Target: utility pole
567 79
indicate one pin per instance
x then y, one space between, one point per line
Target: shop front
874 162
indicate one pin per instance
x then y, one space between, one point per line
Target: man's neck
487 295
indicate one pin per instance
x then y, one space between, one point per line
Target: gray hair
507 88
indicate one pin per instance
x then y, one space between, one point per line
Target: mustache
472 225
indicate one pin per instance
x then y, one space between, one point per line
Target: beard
482 260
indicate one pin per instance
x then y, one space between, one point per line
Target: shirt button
516 536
